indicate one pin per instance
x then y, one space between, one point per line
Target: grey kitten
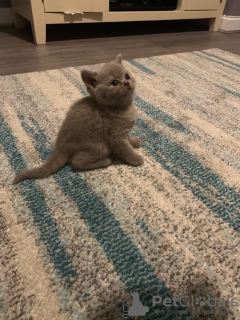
96 128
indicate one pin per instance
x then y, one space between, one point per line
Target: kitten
96 128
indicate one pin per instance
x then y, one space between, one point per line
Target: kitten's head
112 85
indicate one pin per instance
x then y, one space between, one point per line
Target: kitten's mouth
125 90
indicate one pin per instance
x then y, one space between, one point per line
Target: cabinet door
201 5
76 5
68 5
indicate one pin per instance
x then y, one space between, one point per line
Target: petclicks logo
138 309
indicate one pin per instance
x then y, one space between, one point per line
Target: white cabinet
43 12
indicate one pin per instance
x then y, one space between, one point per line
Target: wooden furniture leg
38 22
214 23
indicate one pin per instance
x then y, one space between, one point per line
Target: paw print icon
200 301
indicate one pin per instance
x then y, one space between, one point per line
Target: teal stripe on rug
133 270
225 203
141 67
49 233
221 59
234 93
218 62
158 114
67 74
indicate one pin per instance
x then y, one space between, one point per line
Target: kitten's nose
126 83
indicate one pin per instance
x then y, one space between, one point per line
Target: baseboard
230 23
6 16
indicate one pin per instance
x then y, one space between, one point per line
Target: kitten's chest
119 125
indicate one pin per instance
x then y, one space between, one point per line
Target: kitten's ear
89 78
119 58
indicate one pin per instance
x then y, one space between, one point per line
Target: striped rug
78 245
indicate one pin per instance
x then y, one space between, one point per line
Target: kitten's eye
115 83
127 77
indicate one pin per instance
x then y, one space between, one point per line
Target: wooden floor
82 44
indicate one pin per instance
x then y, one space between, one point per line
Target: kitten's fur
97 127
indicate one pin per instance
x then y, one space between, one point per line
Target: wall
232 8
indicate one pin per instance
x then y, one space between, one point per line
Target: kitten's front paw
136 142
135 160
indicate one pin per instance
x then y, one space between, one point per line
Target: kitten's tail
56 161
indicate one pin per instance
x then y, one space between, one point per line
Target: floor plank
76 45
